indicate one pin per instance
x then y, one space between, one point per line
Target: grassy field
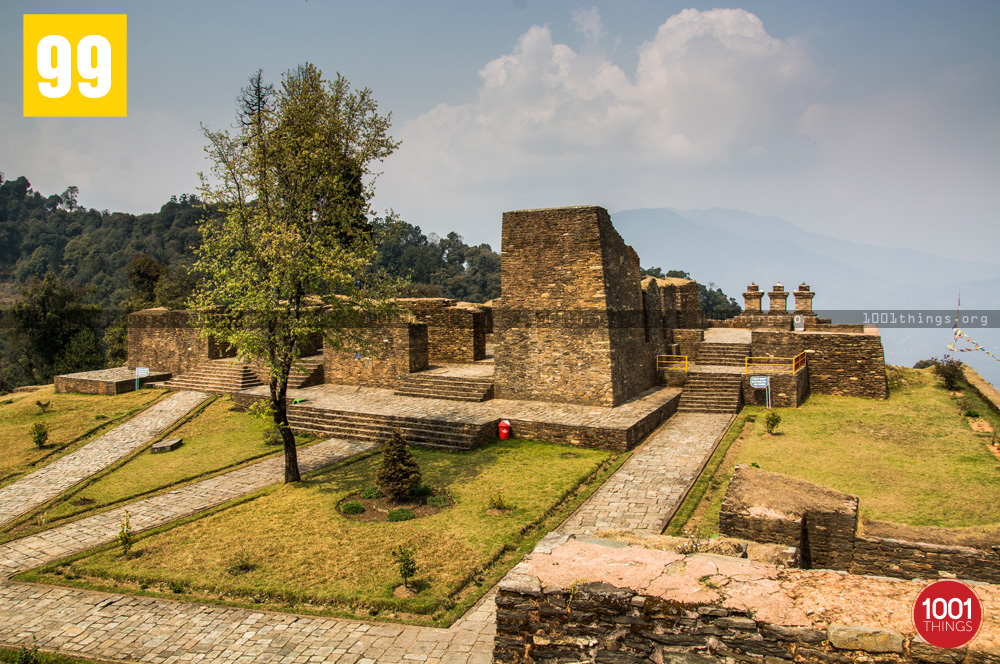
215 439
71 419
306 557
912 459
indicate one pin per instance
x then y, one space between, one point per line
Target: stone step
377 426
367 417
382 434
452 388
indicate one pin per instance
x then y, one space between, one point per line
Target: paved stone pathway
45 484
644 493
111 626
61 541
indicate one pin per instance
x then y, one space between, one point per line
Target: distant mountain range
731 248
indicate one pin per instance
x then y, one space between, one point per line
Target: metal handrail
775 364
672 362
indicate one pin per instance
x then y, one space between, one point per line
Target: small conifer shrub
403 555
772 420
352 507
400 514
39 434
399 471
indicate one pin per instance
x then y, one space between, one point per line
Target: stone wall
569 325
883 556
652 311
844 364
455 334
689 342
787 390
982 388
822 524
391 351
165 341
602 623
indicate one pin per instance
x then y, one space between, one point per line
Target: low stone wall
919 560
787 390
702 609
982 388
845 364
393 351
165 341
822 524
689 342
107 382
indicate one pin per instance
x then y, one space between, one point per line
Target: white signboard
141 372
759 382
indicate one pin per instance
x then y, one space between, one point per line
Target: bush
772 420
272 435
39 434
400 514
950 371
438 501
241 563
371 493
399 471
403 555
352 507
498 501
420 491
972 413
923 364
126 538
43 405
25 656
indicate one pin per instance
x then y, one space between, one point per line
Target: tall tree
290 254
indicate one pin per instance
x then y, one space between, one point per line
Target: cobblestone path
45 484
643 494
107 626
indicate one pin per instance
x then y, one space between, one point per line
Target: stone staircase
453 388
217 376
722 354
306 373
451 436
711 393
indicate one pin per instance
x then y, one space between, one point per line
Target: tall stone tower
570 326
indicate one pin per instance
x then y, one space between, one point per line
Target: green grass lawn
71 419
310 558
215 439
912 459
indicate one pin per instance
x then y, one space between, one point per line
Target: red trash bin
504 429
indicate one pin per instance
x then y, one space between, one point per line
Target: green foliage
371 492
293 185
895 376
126 538
42 405
26 656
407 566
352 507
498 501
438 501
176 588
950 371
420 491
399 514
972 413
399 471
923 364
772 420
241 563
39 434
272 435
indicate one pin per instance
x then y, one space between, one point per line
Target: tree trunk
279 400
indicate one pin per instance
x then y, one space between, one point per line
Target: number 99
62 70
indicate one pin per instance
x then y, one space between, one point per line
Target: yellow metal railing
775 364
672 362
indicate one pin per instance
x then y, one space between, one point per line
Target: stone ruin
576 324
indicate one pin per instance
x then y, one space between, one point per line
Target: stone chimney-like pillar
777 300
752 298
804 300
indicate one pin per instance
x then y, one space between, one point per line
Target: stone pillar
804 300
752 298
777 300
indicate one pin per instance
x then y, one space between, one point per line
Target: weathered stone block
869 639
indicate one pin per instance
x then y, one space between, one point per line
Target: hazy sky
878 121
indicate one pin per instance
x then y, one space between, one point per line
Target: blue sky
873 121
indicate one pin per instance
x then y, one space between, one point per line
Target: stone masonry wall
689 342
919 560
393 351
569 325
787 390
455 334
165 341
844 364
602 623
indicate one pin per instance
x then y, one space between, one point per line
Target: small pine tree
126 538
403 555
399 471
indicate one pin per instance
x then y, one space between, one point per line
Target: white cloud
553 125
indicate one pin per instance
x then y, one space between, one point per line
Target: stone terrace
620 427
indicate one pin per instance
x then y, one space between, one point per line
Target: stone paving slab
644 493
728 335
384 402
117 627
45 484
